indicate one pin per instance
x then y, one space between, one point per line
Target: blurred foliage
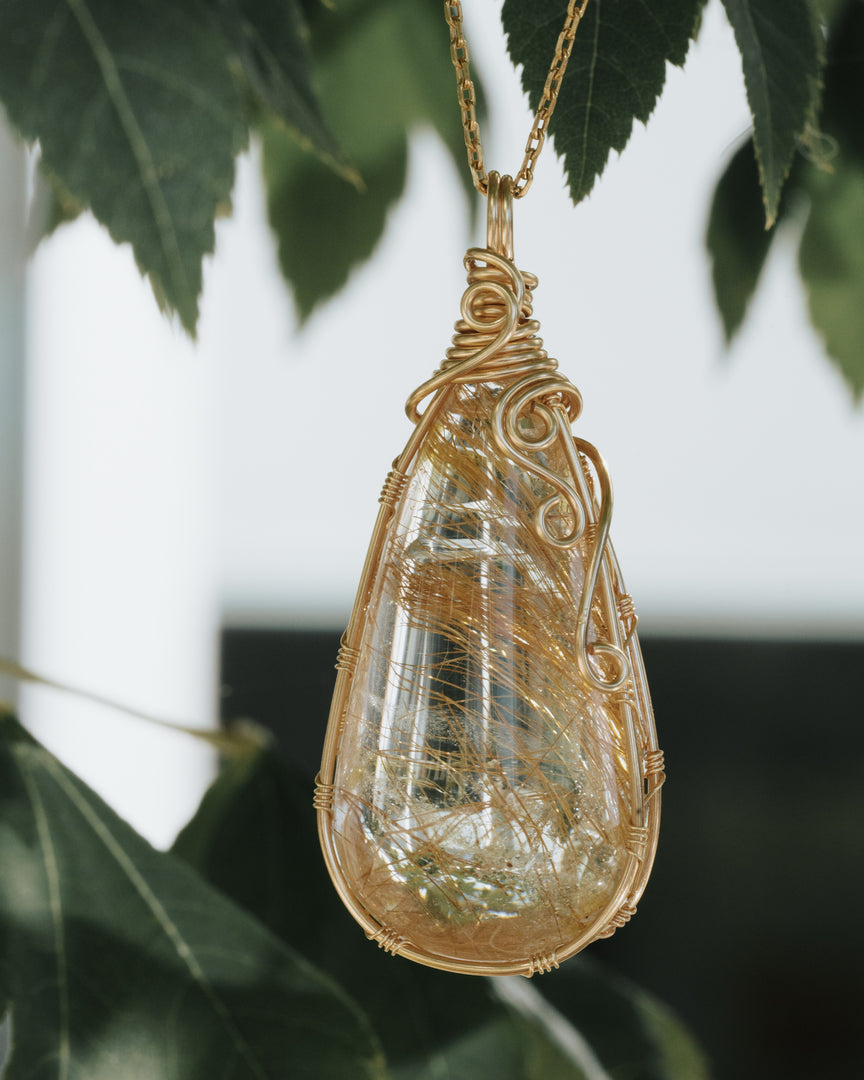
822 204
255 837
780 42
383 71
232 956
119 961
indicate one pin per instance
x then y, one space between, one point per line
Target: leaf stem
224 740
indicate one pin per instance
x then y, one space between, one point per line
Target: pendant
489 795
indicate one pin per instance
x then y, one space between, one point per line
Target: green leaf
52 206
138 116
140 109
737 240
831 259
630 1030
828 10
433 1025
325 227
615 75
843 100
120 962
271 42
781 53
384 70
514 1044
831 256
255 836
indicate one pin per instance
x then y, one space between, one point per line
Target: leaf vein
591 75
137 142
47 47
52 875
160 914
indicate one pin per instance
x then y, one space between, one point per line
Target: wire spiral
496 337
497 340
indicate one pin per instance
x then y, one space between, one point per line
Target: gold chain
548 99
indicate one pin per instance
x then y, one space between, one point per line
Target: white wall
120 580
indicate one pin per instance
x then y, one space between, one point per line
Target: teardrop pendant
489 795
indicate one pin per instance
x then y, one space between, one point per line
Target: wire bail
499 215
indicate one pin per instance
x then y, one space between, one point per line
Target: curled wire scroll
497 340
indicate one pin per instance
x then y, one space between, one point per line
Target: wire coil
497 340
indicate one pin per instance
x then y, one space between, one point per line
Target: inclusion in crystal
483 789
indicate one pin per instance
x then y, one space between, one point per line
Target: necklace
489 795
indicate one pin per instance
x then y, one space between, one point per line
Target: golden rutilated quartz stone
489 794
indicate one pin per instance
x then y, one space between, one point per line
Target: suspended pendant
488 800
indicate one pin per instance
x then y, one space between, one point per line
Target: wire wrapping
637 839
323 797
394 485
655 772
525 417
497 340
346 658
622 916
539 965
388 940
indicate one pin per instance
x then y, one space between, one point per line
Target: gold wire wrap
637 840
388 940
539 965
622 916
393 487
655 764
655 772
346 658
496 344
628 616
322 800
497 339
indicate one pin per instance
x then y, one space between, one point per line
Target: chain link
548 99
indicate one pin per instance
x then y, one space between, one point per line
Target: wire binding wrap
346 658
637 840
655 771
542 964
621 917
394 485
323 797
628 616
625 606
388 940
586 469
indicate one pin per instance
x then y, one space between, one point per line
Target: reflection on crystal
483 790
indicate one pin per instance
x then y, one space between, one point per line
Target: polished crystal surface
482 793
